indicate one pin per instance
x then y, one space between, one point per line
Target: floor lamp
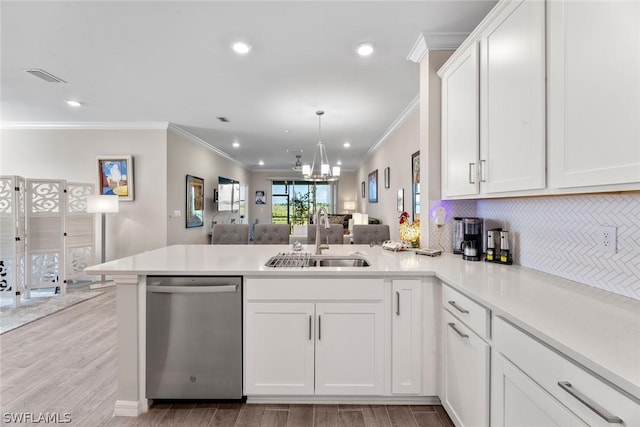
102 205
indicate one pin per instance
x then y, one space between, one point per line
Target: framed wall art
415 185
115 176
400 200
195 201
261 197
373 187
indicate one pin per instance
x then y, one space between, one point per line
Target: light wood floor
65 363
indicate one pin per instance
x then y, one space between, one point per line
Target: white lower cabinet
406 337
517 400
465 376
349 349
280 343
314 347
534 385
306 348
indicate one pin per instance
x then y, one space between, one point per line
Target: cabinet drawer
585 394
465 375
305 288
474 315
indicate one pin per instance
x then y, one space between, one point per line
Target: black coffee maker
471 245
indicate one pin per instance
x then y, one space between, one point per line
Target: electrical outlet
606 239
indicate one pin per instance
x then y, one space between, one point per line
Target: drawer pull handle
310 327
457 307
453 326
603 413
319 328
398 304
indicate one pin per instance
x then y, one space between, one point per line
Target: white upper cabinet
493 105
460 125
512 99
593 51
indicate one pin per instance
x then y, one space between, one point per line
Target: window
294 201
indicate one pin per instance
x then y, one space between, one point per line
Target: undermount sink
340 261
308 260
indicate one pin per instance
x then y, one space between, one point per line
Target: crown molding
86 125
396 124
434 41
444 41
177 130
419 50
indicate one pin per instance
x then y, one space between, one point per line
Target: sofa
344 220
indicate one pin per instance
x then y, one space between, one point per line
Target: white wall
348 190
187 157
71 154
430 138
394 153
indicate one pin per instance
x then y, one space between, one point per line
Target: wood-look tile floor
236 415
65 364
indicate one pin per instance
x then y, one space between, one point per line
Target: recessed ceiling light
286 131
364 49
241 48
236 144
73 103
261 163
346 145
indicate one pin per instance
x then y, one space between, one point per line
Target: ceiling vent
223 119
44 75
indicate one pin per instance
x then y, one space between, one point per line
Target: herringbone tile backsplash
556 235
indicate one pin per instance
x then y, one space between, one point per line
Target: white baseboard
127 408
346 400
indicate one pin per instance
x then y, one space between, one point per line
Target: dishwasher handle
193 289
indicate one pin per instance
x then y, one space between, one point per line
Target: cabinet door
512 99
465 374
349 348
460 125
406 330
279 345
594 93
517 400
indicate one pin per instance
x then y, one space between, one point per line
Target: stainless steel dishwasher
194 337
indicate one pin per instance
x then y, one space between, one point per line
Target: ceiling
171 61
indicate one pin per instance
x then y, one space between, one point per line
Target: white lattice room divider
79 231
46 208
12 237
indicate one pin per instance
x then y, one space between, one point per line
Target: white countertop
598 329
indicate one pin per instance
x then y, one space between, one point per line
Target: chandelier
320 171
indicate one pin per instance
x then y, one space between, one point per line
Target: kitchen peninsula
591 331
